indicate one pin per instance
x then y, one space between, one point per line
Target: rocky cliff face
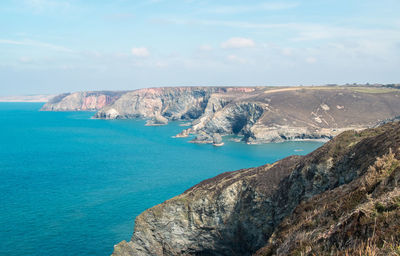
181 103
171 103
234 118
268 210
85 101
258 114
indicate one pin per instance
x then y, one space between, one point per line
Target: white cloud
36 44
223 23
205 47
298 31
25 59
43 5
271 6
277 5
236 59
161 64
238 42
311 60
140 52
121 16
287 51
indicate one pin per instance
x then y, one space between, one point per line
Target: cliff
81 101
341 198
174 103
257 114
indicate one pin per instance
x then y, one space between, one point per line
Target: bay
72 185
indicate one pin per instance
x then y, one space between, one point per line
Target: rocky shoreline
257 114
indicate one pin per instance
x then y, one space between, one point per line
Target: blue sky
49 46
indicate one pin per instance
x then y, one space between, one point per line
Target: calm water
71 185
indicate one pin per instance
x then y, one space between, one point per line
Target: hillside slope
340 195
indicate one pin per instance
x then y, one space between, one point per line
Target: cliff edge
343 197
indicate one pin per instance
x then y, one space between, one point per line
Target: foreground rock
323 202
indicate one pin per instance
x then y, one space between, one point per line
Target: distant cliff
81 101
257 114
179 103
342 198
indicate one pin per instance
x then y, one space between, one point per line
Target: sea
72 185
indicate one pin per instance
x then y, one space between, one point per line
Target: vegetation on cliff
362 217
343 198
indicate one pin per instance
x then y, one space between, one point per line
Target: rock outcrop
81 101
217 140
301 204
157 120
256 114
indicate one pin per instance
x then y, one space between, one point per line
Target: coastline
259 114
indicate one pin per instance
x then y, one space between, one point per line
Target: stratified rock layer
237 213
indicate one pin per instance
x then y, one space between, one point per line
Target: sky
50 46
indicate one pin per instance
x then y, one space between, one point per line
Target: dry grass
373 89
371 248
361 217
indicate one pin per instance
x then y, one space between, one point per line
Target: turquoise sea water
71 185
